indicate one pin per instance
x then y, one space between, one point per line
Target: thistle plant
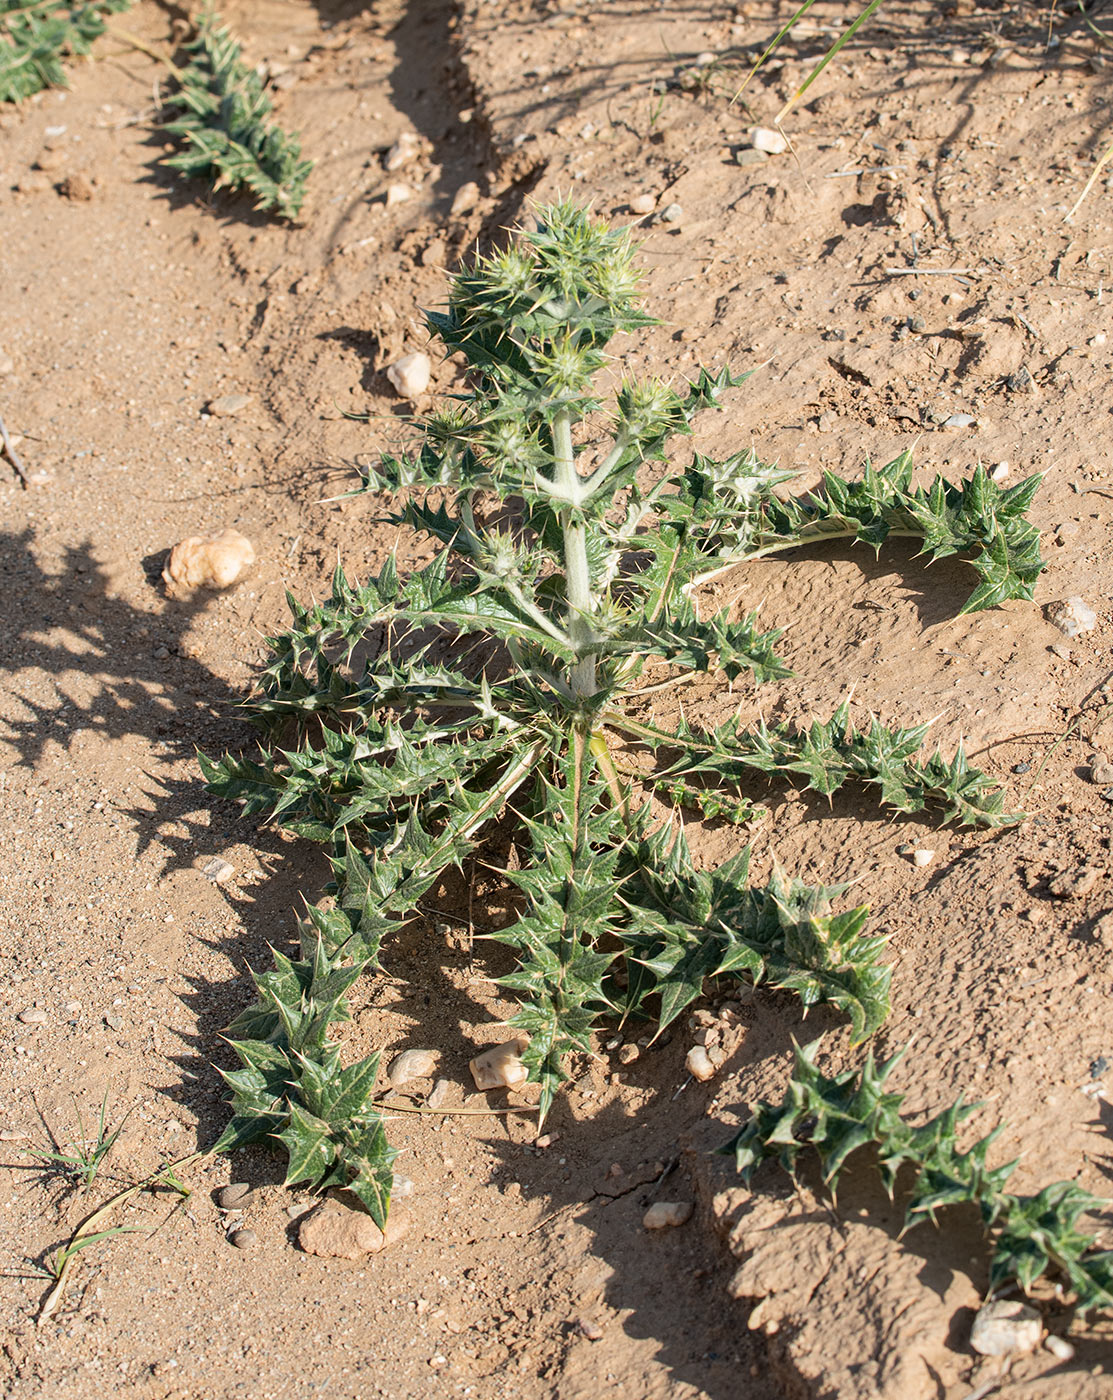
224 125
834 1116
406 720
36 35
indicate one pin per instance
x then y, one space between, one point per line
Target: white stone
665 1215
411 1064
643 204
922 857
411 374
999 472
1059 1348
1004 1327
501 1066
228 405
671 214
698 1063
404 150
1072 617
765 138
465 199
397 194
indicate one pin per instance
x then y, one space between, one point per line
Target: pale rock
51 158
228 405
33 1016
1059 1348
1005 1327
923 857
699 1064
406 149
1071 616
333 1230
397 194
999 472
628 1054
501 1066
213 562
411 1064
765 138
671 214
215 868
438 1094
244 1239
643 204
411 374
1101 771
664 1215
465 199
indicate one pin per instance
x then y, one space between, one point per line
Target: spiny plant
35 37
835 1116
225 129
408 720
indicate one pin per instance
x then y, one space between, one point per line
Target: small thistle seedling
224 125
564 566
834 1116
36 36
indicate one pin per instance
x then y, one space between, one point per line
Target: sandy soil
126 314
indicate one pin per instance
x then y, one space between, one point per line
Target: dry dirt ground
125 314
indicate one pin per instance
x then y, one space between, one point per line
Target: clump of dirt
901 276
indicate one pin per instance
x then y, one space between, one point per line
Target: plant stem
581 601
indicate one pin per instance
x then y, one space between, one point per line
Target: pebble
300 1208
922 857
664 1215
216 561
1101 770
958 420
643 204
698 1063
78 187
232 1197
1061 650
13 1135
411 374
671 214
411 1064
749 155
591 1330
216 869
1001 1328
765 138
1059 1348
397 194
501 1066
1072 616
32 1016
51 158
228 405
244 1239
1075 884
999 472
406 149
465 199
114 1023
7 365
438 1094
628 1054
401 1187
